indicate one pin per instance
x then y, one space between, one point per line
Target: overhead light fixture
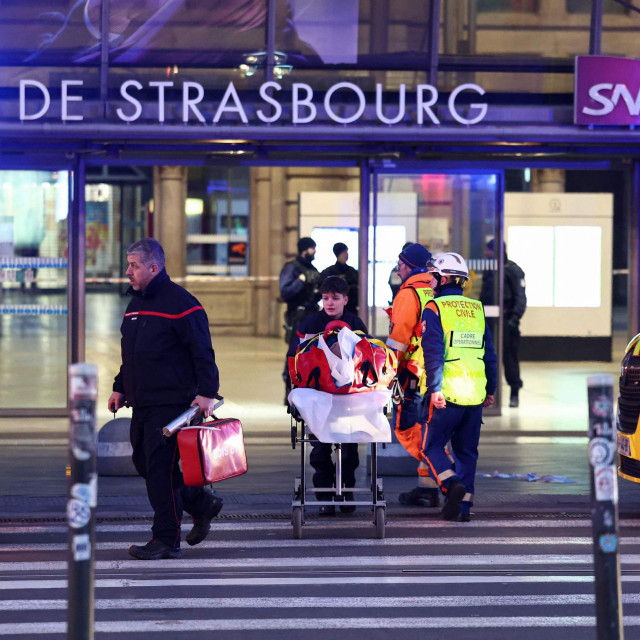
258 60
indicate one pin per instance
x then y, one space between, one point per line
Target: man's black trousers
325 469
156 460
511 356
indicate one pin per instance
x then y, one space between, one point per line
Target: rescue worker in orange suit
462 375
404 337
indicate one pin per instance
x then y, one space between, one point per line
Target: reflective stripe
398 346
171 316
468 497
446 474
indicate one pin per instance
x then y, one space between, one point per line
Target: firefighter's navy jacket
167 357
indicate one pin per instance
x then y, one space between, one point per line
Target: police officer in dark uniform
514 306
168 364
342 270
300 289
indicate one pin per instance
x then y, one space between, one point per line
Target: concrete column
548 180
169 221
267 242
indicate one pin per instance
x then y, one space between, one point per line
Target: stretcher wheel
296 521
380 522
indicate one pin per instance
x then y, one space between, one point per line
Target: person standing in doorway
342 270
514 305
404 338
299 288
168 364
460 366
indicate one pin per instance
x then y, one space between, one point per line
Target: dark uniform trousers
155 457
510 355
460 425
325 469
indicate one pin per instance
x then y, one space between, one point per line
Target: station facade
229 130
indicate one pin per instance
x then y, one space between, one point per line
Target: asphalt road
491 578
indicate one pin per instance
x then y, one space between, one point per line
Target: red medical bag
212 451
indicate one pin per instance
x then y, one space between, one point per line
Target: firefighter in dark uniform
300 289
514 306
342 270
168 364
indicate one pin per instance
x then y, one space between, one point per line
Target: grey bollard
114 449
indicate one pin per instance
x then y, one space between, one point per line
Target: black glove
513 323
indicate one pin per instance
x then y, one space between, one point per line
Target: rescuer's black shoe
421 497
202 525
154 550
455 494
464 517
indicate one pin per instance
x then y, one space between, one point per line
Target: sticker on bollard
601 451
608 542
605 484
81 547
78 513
86 492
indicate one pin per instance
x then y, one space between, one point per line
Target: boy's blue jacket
433 347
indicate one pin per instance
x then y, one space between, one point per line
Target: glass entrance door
458 211
34 213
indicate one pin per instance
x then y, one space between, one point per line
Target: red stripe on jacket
164 315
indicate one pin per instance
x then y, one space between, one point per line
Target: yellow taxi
628 414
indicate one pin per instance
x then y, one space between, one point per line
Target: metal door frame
421 168
75 266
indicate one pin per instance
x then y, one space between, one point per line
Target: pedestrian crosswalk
491 578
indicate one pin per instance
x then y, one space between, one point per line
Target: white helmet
449 264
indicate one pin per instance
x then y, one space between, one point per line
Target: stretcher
372 496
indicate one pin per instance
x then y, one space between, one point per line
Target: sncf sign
607 91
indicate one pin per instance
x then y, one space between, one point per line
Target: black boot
420 497
513 401
202 525
154 550
455 494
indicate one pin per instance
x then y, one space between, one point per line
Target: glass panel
49 32
218 221
619 34
166 32
580 6
34 209
362 32
523 6
519 29
117 215
444 212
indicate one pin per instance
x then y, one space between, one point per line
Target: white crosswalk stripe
501 574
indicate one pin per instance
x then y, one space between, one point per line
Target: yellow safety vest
414 353
464 381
